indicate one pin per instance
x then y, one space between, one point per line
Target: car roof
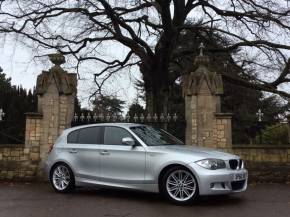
123 125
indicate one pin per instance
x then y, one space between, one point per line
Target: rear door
84 150
121 163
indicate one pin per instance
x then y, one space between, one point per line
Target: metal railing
172 123
143 118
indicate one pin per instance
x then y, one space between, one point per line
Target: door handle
105 152
73 151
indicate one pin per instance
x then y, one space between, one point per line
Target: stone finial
201 48
57 59
201 59
260 115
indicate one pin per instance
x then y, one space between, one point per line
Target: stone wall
265 163
268 172
18 162
263 153
21 162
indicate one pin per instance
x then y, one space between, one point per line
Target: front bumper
221 181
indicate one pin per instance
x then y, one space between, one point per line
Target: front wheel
179 186
62 178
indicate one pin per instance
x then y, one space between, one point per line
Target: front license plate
240 176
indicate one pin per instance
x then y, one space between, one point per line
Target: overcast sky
18 62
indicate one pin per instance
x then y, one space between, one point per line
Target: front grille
238 185
236 164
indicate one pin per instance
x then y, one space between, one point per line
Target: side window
114 135
73 137
89 135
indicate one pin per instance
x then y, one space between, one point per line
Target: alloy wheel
181 185
61 177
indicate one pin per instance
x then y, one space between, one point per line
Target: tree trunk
160 101
157 98
156 88
149 101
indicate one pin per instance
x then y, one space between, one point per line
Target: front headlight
211 164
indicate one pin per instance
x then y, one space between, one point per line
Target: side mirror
128 141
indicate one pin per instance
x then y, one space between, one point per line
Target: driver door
121 163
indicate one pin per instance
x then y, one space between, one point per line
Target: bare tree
148 30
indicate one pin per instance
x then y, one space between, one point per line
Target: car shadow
146 197
220 200
123 194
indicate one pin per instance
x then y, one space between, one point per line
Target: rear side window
73 137
89 135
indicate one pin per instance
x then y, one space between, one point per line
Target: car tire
179 186
62 178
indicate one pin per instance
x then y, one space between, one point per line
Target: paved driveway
39 200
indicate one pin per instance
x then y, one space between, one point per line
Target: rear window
89 135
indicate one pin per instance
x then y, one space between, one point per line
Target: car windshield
155 137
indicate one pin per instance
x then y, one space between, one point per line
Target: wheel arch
60 162
167 167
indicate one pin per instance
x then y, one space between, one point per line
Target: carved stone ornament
65 82
193 81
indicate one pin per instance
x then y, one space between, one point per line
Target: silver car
141 157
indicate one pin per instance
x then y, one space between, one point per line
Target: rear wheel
179 186
62 178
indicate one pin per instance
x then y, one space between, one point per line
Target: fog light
218 185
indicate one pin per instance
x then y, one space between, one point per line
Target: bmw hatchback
141 157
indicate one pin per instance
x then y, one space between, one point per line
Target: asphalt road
39 200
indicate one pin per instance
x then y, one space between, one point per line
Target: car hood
193 151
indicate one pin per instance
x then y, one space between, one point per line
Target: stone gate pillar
56 91
205 124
